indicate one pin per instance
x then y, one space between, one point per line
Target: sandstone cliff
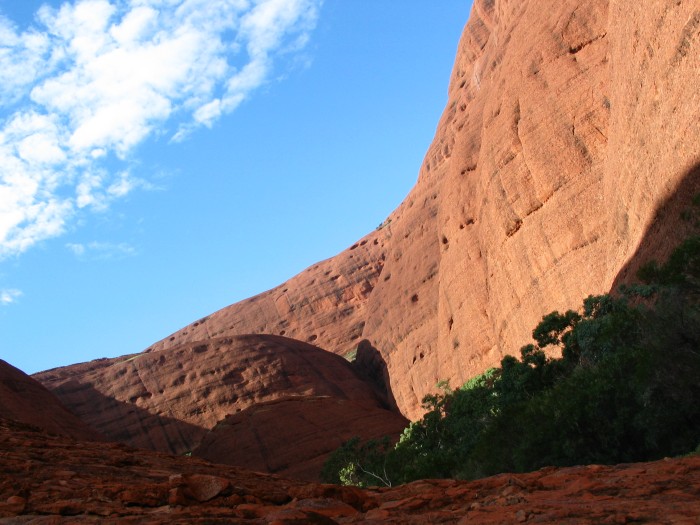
569 125
568 142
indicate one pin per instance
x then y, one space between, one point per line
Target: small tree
360 464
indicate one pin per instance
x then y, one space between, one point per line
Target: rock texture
570 132
25 400
53 479
169 400
293 437
569 124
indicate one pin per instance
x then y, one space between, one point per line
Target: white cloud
77 248
124 183
101 250
23 57
9 296
95 78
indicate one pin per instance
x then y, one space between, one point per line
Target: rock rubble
50 479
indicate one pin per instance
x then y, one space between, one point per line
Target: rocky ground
49 479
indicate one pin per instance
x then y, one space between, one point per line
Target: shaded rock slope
25 400
168 400
567 148
293 436
52 479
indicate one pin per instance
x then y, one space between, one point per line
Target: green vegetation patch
351 355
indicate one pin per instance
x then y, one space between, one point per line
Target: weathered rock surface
569 125
169 399
292 437
53 479
25 400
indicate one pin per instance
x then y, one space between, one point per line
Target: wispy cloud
9 296
95 78
101 250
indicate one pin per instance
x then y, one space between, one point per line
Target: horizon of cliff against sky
162 159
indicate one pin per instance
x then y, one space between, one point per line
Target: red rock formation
544 177
293 437
52 479
169 399
25 400
569 126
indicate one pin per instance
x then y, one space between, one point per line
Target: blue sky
162 159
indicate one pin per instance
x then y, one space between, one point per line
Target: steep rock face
563 135
169 399
570 132
49 479
653 160
510 187
293 437
25 400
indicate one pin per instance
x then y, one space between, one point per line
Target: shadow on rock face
677 218
265 402
293 436
127 422
371 366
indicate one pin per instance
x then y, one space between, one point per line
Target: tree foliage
614 382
